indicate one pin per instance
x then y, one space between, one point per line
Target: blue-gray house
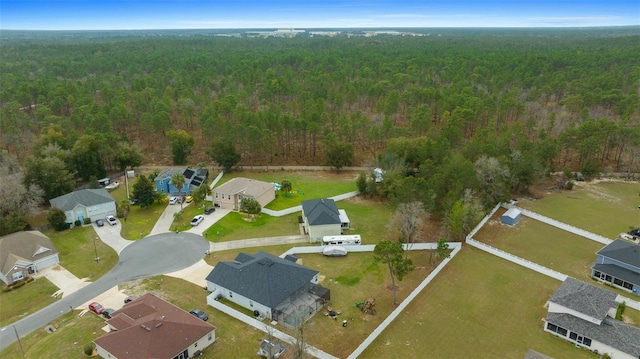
193 179
618 263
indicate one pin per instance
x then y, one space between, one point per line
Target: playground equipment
368 306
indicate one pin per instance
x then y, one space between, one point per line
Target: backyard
479 306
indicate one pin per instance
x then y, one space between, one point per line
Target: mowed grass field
604 208
543 244
479 306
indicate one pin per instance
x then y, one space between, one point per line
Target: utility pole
95 249
18 337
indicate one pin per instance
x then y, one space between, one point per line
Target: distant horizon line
345 28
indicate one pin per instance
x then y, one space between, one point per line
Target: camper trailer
351 240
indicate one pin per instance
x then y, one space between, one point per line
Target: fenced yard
479 306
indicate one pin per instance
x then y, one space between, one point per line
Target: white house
322 218
585 315
25 253
86 203
270 286
150 327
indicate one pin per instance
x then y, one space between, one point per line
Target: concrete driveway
209 220
166 218
110 235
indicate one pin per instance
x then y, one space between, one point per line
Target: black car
129 299
99 223
107 313
198 313
209 210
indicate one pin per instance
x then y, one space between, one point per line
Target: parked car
129 299
209 210
197 219
96 307
112 220
173 200
188 199
99 223
198 313
108 312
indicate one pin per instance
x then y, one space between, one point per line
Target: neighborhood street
153 255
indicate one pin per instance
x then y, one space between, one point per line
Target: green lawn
543 244
77 252
233 226
305 184
478 307
588 203
25 300
68 341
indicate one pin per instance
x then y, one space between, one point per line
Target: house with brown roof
149 327
23 254
229 195
585 315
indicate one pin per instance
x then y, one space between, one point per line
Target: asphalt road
153 255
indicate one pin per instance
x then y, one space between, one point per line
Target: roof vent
145 327
159 324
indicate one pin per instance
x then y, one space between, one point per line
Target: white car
197 219
173 200
112 220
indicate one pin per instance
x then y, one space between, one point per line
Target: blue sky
270 14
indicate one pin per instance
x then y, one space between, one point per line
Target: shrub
88 349
87 221
620 310
77 223
569 185
57 219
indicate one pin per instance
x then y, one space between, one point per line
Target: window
216 194
556 329
229 196
250 303
17 276
580 339
195 345
209 337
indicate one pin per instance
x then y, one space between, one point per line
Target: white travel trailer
351 240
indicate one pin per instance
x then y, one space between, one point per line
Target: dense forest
453 111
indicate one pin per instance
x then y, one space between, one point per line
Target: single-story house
150 327
618 263
321 217
270 286
25 253
230 194
585 315
86 203
511 216
193 179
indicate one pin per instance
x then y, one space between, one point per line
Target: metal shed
511 217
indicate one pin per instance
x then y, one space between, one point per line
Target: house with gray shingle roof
229 195
25 253
321 218
86 203
618 263
270 286
584 314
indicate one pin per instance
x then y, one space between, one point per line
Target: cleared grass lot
605 208
479 306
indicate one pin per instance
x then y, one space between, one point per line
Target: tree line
458 119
